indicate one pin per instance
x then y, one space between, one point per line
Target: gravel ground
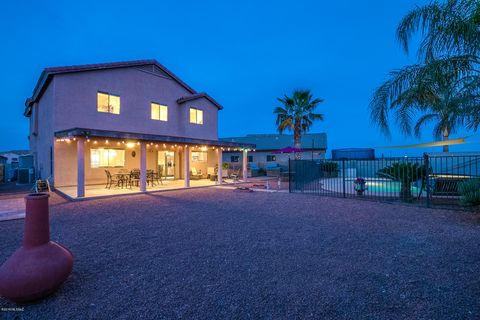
211 253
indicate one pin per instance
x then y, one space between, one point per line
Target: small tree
405 173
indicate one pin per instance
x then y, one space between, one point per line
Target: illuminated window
196 116
199 156
108 103
102 158
159 112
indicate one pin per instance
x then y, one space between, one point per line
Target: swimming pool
387 186
375 186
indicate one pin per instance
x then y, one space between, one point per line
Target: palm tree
443 87
442 92
297 115
449 28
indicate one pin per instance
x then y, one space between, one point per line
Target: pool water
384 186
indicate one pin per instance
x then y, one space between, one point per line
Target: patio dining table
123 178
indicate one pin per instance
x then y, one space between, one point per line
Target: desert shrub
329 169
406 173
469 192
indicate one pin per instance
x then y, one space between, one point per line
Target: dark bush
469 192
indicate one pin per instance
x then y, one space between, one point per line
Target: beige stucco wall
41 137
76 104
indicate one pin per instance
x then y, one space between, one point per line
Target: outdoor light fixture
130 144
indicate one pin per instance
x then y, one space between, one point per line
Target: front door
166 163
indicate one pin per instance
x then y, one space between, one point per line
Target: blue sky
243 53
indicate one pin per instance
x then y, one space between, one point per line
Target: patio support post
220 165
244 164
80 167
186 166
143 166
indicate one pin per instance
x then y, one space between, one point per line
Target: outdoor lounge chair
196 174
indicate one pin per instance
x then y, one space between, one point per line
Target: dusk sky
244 53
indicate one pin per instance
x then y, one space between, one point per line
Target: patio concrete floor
99 190
212 253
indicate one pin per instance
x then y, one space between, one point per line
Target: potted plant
360 185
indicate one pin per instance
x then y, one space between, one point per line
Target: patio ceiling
82 132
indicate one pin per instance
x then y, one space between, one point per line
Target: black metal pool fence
429 180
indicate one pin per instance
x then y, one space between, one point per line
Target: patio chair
196 174
153 177
134 178
112 179
235 175
159 176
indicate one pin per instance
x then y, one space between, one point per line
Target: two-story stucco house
93 125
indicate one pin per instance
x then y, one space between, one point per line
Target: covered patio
96 163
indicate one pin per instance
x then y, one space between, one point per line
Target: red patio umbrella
288 150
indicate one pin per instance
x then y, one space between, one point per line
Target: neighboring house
89 119
13 161
265 154
3 163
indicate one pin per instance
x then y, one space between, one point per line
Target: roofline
48 73
84 132
271 150
199 96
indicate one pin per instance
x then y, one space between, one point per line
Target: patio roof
83 132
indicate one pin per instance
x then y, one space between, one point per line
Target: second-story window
108 103
159 112
271 158
196 116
